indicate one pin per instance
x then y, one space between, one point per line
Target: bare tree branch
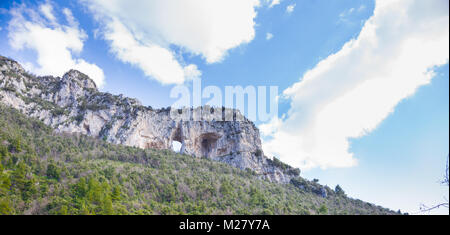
445 181
424 208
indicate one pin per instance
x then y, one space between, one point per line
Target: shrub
53 172
323 210
15 145
58 111
79 118
294 171
339 191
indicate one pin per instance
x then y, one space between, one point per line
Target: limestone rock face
73 104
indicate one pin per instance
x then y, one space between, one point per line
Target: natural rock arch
177 135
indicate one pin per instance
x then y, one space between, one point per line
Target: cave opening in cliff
177 141
209 144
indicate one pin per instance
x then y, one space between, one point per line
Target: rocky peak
7 64
84 80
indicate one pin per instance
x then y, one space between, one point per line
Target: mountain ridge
73 104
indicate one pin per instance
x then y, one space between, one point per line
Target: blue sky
388 148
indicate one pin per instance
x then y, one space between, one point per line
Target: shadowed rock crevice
208 142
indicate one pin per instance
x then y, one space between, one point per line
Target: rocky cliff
74 104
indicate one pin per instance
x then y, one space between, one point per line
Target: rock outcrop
74 104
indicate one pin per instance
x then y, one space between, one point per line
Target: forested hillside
46 173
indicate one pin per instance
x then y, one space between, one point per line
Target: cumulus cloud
155 61
269 36
55 44
150 34
348 94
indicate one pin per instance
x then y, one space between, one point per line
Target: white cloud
348 94
269 36
273 3
361 8
155 61
345 16
47 10
347 12
148 34
69 18
290 8
55 44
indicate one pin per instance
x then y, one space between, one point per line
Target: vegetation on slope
42 172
